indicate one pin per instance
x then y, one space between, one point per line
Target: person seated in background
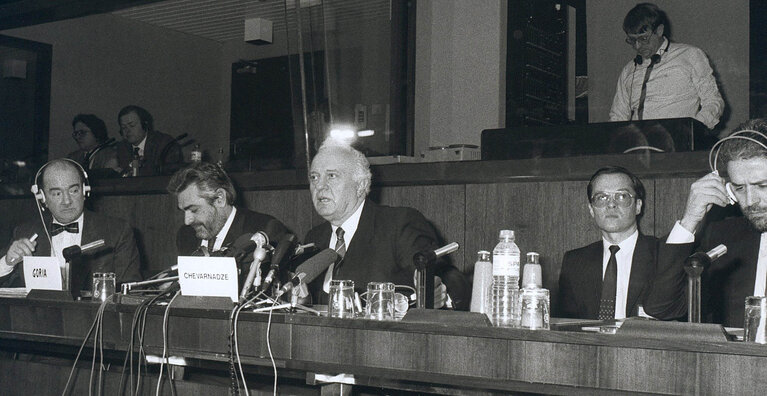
62 190
145 151
742 271
608 279
206 195
375 243
97 153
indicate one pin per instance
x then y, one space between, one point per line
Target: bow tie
57 229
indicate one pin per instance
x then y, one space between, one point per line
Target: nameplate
42 273
208 276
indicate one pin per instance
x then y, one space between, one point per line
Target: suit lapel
90 230
642 265
235 229
592 272
356 250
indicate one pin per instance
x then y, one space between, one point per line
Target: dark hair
741 149
645 17
636 184
96 125
207 177
147 122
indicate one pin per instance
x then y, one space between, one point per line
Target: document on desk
13 292
208 276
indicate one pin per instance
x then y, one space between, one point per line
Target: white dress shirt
140 147
682 84
624 258
350 228
221 234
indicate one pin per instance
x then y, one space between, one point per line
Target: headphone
713 155
38 192
655 59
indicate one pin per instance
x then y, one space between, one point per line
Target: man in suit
742 271
609 278
206 195
144 151
62 190
375 243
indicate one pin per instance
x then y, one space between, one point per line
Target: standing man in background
609 278
665 80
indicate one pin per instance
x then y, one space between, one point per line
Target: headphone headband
38 193
713 154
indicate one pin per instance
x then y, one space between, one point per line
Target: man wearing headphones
144 151
61 186
665 80
742 271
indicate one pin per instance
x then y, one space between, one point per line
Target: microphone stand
694 266
293 306
127 287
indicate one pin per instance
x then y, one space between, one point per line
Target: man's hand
440 293
705 192
18 249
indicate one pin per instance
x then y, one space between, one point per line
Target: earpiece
38 193
730 194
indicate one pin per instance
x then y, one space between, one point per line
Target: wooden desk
438 357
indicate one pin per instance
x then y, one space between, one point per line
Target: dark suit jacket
245 222
119 254
580 280
725 284
382 251
162 155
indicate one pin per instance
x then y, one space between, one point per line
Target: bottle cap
533 258
483 255
506 234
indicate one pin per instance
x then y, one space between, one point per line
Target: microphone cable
164 356
96 324
269 345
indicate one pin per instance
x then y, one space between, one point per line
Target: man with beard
739 273
211 221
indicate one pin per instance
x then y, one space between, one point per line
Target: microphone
301 249
694 267
309 270
259 254
423 258
245 244
285 244
76 251
700 260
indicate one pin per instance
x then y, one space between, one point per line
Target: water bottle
505 290
483 280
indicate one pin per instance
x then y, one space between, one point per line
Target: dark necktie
57 229
609 286
135 153
340 248
640 111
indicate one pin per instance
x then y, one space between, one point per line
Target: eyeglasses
642 40
80 132
621 198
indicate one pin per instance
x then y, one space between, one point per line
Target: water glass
341 299
754 319
380 298
535 309
103 286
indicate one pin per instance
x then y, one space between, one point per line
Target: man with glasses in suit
608 279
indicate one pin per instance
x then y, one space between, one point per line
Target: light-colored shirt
221 234
682 84
679 235
624 257
140 147
350 228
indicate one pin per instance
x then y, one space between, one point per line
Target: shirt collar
222 233
350 225
79 222
627 245
142 144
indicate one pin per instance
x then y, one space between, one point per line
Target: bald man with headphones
742 271
60 189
